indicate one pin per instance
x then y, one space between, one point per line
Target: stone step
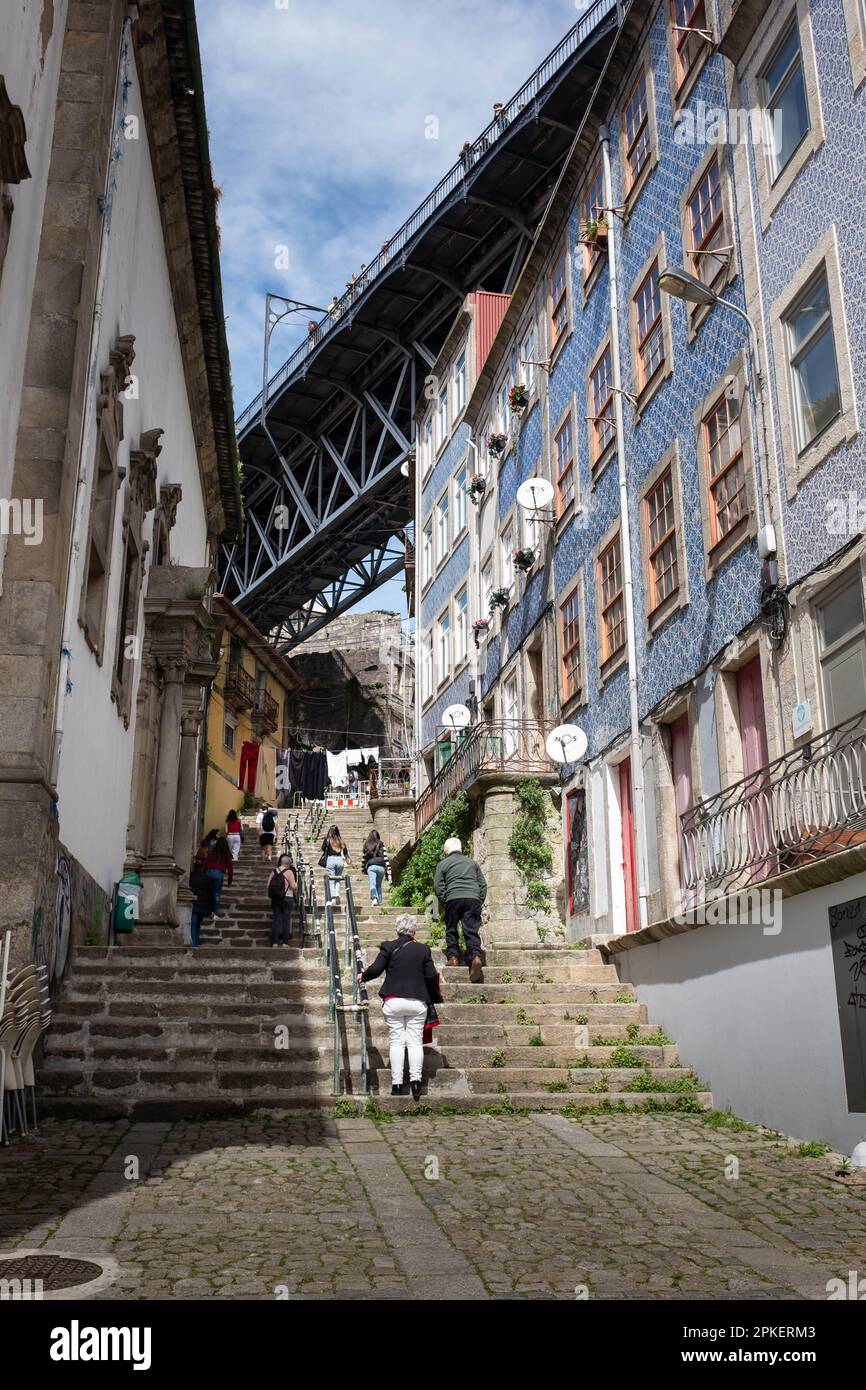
461 1080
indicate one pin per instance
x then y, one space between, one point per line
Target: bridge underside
327 501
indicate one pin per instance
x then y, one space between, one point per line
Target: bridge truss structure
325 448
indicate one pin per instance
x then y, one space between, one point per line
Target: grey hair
406 925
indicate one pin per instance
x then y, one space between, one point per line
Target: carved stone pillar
160 873
184 823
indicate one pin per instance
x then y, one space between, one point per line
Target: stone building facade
122 439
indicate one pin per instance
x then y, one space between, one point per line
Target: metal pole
639 809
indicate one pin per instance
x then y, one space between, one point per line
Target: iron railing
239 688
519 103
266 713
500 745
807 804
338 1009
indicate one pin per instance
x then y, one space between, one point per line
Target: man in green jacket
460 889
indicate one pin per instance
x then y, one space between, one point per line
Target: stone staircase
162 1032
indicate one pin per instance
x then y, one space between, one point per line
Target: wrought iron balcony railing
501 745
519 103
266 712
239 689
806 805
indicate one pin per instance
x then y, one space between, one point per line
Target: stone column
160 873
184 824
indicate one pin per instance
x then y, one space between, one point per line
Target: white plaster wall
95 767
756 1015
31 81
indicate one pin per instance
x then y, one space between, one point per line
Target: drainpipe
639 816
474 590
85 443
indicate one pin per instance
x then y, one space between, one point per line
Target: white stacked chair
25 1014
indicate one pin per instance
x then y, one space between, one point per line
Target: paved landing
436 1207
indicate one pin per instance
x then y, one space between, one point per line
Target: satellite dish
567 744
534 494
456 717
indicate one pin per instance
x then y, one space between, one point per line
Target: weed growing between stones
725 1119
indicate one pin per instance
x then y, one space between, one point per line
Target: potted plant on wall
477 487
524 558
594 231
499 598
518 400
480 628
497 444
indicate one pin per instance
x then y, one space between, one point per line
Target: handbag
430 1022
323 859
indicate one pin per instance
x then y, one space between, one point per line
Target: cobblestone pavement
436 1207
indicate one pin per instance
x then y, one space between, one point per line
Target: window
427 667
661 540
689 18
533 532
558 299
812 360
570 635
427 449
611 600
486 584
504 409
563 448
230 724
636 129
511 700
591 205
443 415
94 595
649 334
461 626
461 480
443 536
527 361
506 549
601 424
459 384
705 224
786 109
443 646
726 476
427 552
842 649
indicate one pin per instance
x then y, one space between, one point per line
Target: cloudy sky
319 117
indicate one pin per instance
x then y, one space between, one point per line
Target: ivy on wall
528 844
416 880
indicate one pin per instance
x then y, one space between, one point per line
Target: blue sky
317 112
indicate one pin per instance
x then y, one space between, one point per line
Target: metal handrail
492 133
360 997
806 804
500 745
336 1004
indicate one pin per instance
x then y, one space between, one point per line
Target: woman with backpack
282 886
333 859
218 864
374 863
411 985
267 823
203 886
233 834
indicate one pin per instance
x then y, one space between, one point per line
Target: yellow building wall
222 793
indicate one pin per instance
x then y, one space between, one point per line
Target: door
536 678
753 742
629 878
510 714
681 773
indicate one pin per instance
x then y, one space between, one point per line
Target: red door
681 770
627 822
753 741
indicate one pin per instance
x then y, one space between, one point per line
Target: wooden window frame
630 143
666 540
600 448
607 652
570 627
713 480
656 327
556 301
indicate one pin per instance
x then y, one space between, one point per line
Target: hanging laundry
368 753
296 770
249 764
337 768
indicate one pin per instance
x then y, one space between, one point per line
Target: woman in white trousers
411 983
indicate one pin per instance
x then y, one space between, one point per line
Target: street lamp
272 318
681 284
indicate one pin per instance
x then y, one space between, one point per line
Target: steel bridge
324 449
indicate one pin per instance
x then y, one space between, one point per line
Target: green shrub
528 844
416 880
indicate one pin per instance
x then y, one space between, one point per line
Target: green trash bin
126 913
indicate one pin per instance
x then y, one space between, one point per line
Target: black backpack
268 822
277 886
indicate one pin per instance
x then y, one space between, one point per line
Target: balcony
239 689
266 714
510 746
807 805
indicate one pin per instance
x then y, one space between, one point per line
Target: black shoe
476 972
415 1087
397 1090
